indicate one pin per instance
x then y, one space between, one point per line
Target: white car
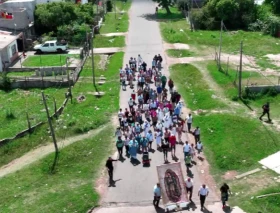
51 46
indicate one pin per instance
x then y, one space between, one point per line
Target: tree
165 4
275 4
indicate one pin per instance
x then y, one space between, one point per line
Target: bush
5 82
10 115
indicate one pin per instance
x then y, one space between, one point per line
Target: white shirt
120 114
189 120
189 184
199 145
203 191
157 191
186 148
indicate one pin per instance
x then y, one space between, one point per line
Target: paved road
136 182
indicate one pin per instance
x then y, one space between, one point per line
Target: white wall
10 55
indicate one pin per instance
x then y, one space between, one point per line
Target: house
8 49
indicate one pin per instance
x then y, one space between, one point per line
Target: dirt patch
103 62
229 175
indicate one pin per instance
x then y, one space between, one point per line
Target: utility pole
220 45
52 132
240 70
115 9
28 122
92 58
190 5
68 79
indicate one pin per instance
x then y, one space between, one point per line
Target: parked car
51 46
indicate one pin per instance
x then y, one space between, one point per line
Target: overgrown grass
122 5
175 14
265 62
234 142
103 41
254 43
70 189
194 88
46 60
179 53
77 117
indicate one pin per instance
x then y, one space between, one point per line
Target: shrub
9 114
109 6
5 82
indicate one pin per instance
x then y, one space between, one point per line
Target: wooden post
220 44
55 108
52 133
227 65
240 71
28 123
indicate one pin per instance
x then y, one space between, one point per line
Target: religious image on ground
173 190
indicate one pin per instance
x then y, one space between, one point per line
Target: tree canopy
165 4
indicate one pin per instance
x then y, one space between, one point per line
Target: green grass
193 87
226 82
270 204
122 5
254 43
235 139
77 117
175 14
119 22
46 60
114 41
21 74
230 90
178 53
265 62
70 189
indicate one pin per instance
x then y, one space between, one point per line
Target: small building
8 50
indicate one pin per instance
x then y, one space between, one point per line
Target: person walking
119 145
172 141
163 81
266 110
110 167
189 188
165 147
189 121
196 134
157 195
203 193
120 116
225 190
126 143
186 149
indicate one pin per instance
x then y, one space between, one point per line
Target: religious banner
173 190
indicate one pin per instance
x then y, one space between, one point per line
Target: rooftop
5 40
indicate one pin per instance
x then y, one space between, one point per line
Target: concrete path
133 191
114 34
272 162
42 151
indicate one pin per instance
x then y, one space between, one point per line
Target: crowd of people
153 115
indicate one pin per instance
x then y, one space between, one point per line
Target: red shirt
172 140
133 96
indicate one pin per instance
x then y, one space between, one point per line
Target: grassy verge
77 117
70 189
265 62
234 142
21 74
230 90
46 60
179 32
177 53
114 41
117 22
194 88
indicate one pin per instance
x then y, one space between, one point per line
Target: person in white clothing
120 116
203 193
189 187
158 136
186 149
199 147
189 120
146 127
157 194
139 60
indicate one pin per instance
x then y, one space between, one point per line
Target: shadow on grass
162 17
